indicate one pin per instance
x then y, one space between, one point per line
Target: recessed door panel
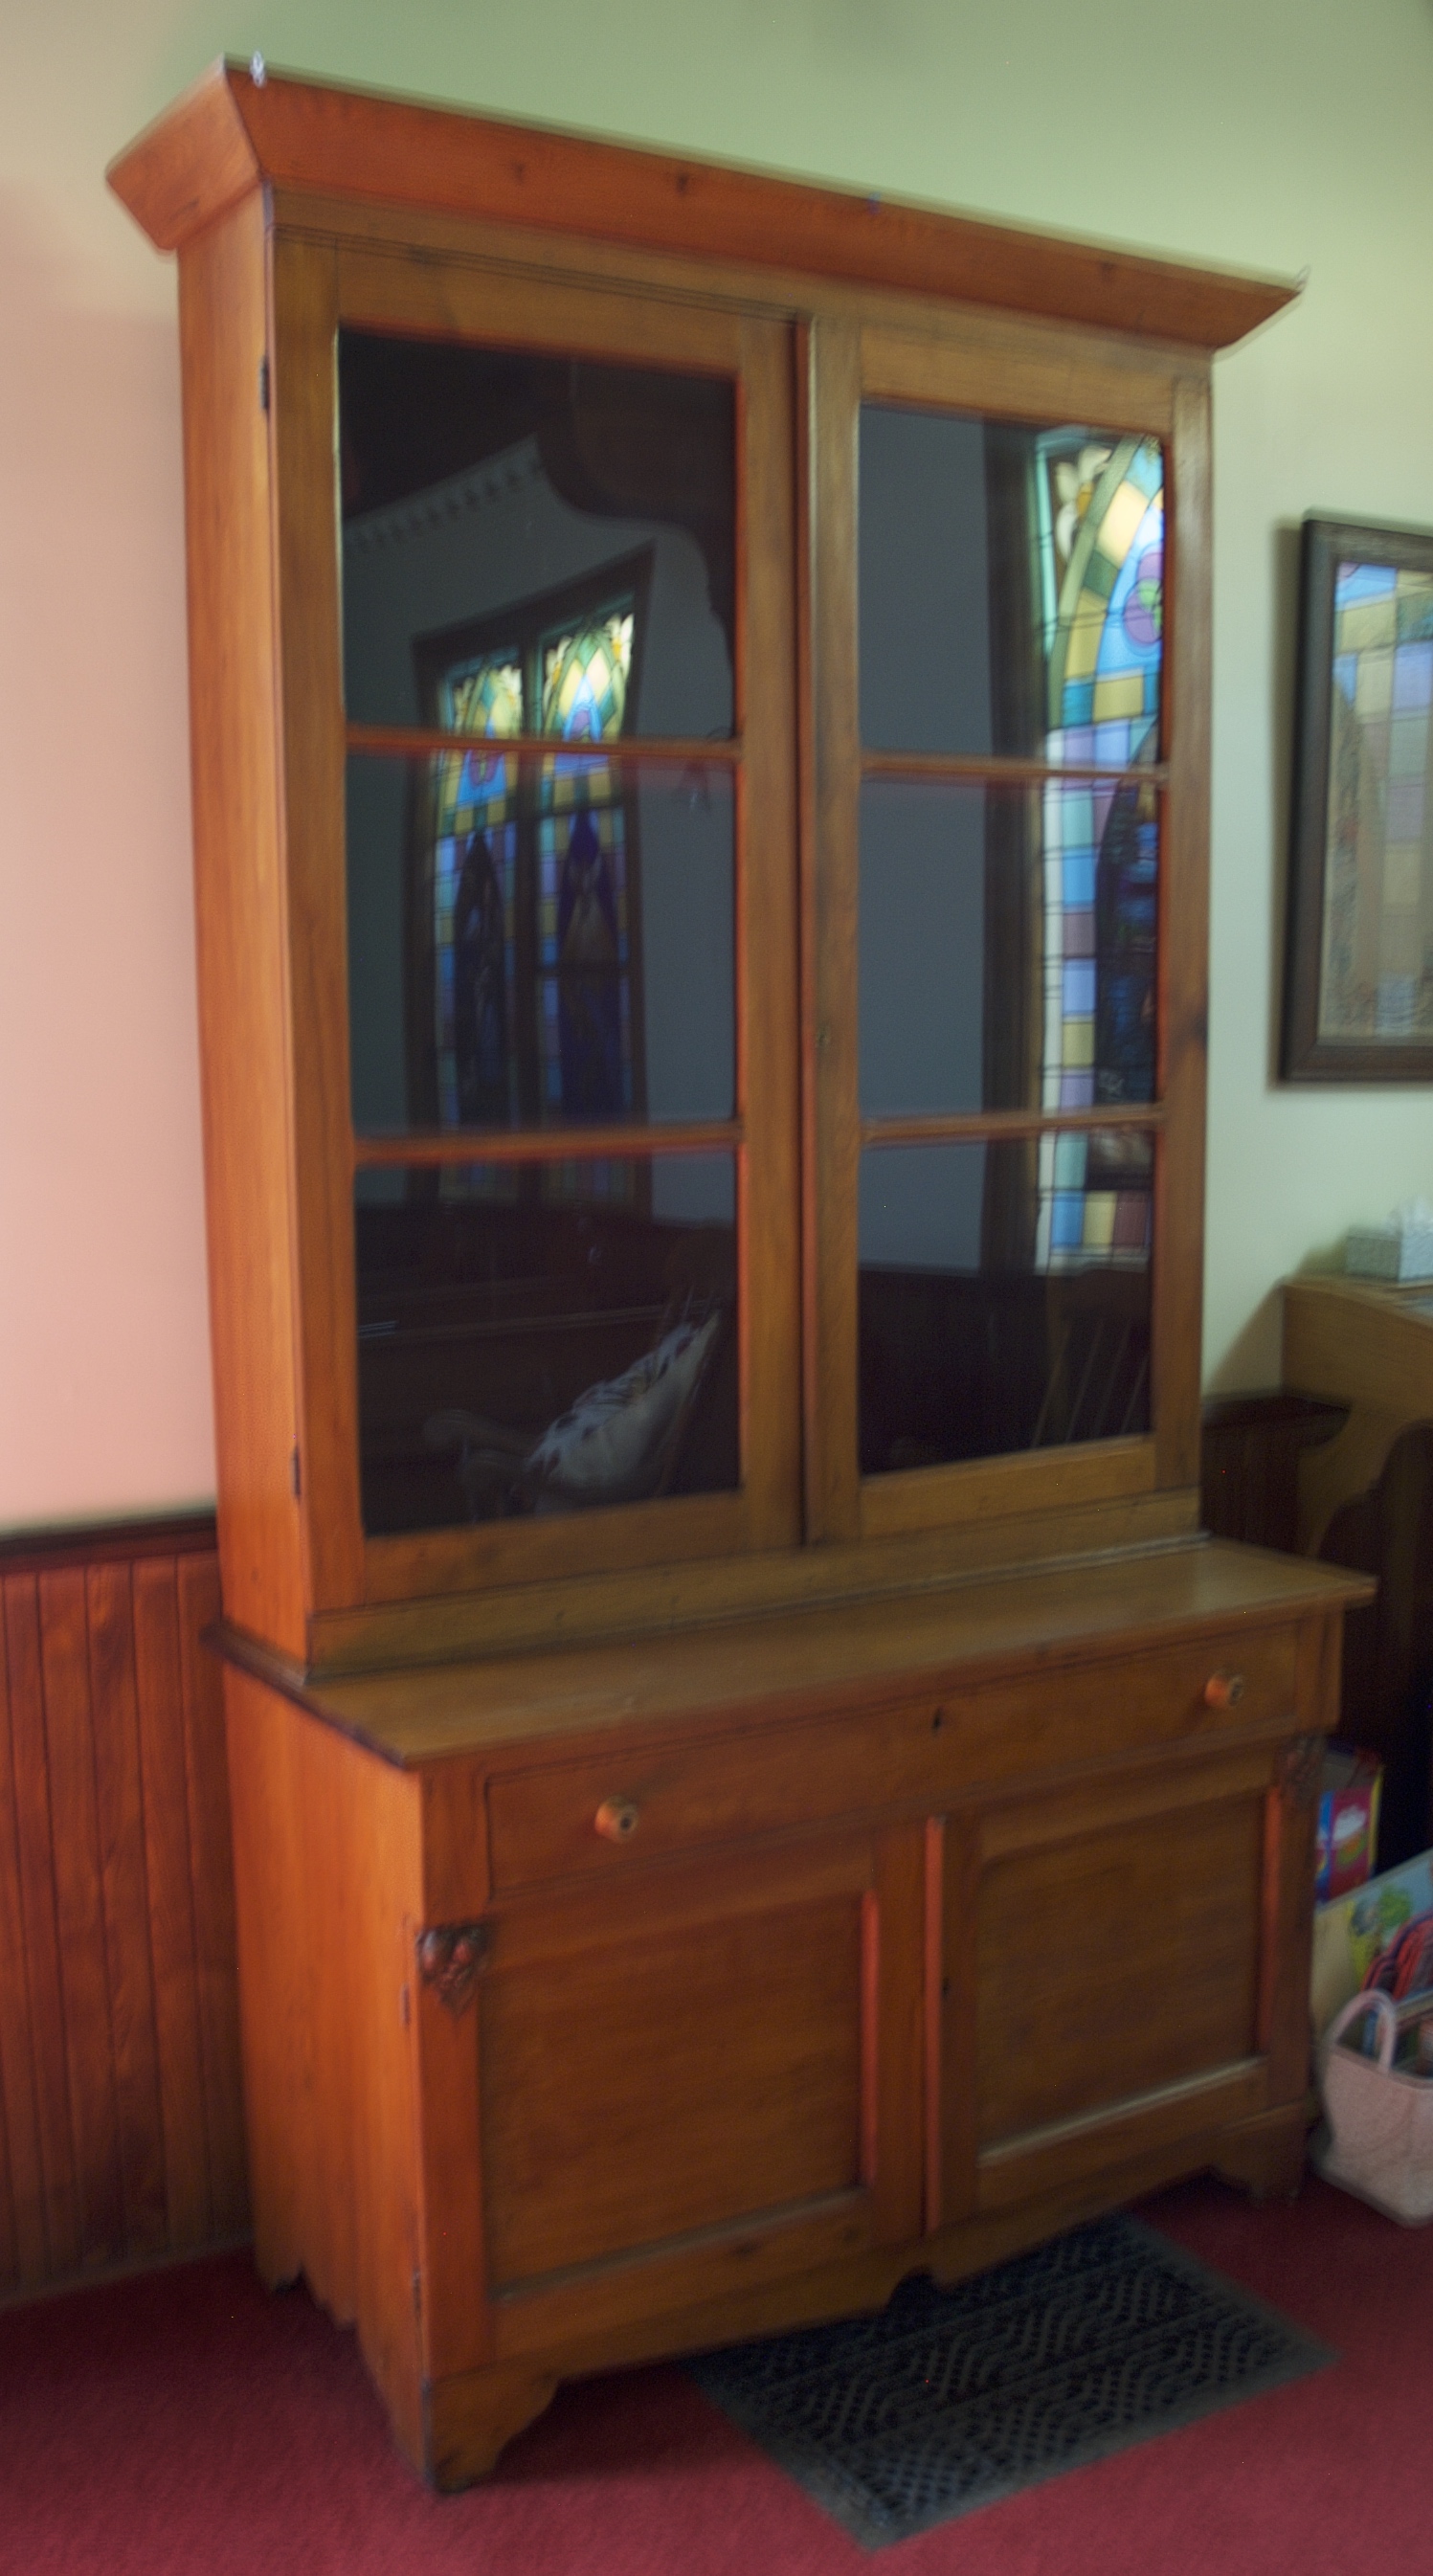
1109 1967
639 2092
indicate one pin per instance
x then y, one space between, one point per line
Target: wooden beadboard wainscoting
121 2110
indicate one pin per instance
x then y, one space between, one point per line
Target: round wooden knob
618 1819
1223 1690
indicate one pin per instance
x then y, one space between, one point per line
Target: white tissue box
1390 1252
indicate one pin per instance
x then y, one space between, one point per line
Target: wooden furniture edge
480 2410
352 1705
591 1607
234 130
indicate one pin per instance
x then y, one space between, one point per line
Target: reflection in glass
544 1338
539 940
1004 1296
1007 945
1011 584
505 511
1376 978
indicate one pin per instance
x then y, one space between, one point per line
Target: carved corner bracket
1300 1766
449 1957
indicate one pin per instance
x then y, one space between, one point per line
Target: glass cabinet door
567 892
1011 587
997 1120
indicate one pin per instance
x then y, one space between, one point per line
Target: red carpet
188 2425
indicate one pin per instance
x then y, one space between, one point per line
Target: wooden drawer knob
618 1818
1223 1690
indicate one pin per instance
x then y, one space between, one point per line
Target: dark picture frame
1358 982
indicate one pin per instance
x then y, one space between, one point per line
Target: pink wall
104 1372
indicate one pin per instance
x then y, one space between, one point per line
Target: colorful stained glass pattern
1377 967
1102 574
1094 1201
1101 920
584 943
484 697
474 883
563 836
584 679
584 959
1105 651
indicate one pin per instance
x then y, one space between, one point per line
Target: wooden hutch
747 1780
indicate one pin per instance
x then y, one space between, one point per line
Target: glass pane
544 1337
1376 978
1004 1296
1007 945
539 941
504 509
1010 588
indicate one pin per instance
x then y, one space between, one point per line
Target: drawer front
611 1810
1053 1719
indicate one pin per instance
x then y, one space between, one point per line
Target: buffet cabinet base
601 2006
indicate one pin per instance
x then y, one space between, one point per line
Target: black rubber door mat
950 2399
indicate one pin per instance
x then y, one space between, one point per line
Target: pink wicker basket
1380 2120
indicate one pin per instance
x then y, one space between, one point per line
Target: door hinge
418 2294
295 1473
264 382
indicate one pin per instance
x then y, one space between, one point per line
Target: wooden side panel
328 1871
388 1864
238 916
1292 1859
121 2131
325 1787
269 1920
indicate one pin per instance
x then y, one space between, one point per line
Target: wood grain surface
822 1660
121 2119
230 132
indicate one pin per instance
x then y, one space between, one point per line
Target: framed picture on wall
1358 985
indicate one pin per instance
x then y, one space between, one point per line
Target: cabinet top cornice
232 133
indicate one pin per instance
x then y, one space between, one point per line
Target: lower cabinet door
1124 1967
704 2076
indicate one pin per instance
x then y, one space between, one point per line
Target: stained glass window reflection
533 898
474 891
487 697
1100 513
584 679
